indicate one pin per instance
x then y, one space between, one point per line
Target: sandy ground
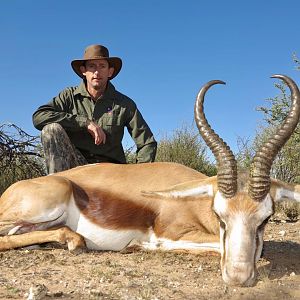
58 274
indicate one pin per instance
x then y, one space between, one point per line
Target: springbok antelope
157 206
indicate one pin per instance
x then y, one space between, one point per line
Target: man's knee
52 129
54 133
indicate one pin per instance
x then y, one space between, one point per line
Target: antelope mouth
240 274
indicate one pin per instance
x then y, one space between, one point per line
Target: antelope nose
240 274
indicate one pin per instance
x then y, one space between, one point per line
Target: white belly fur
98 238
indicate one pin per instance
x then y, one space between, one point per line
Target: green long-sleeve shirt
112 112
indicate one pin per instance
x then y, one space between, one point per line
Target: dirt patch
58 274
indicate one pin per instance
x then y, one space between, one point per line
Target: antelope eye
263 224
222 224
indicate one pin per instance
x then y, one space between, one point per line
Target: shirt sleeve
59 110
143 138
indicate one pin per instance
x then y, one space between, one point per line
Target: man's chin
96 85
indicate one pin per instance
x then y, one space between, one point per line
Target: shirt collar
109 92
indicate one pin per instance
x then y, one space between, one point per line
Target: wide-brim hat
97 52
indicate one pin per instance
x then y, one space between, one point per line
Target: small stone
293 274
282 232
37 292
58 294
95 292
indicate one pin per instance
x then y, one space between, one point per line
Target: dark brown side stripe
112 211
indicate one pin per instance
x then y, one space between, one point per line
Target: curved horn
261 164
226 163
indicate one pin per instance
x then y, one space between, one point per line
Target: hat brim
114 62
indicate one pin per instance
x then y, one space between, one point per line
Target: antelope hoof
76 244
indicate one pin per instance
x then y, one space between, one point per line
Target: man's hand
96 132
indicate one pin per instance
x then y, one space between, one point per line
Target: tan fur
111 197
61 235
242 203
39 193
110 201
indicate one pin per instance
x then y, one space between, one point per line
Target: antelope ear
195 188
281 191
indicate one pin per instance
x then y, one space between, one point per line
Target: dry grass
288 210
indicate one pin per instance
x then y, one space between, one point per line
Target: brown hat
97 52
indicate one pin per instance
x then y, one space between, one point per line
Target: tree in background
20 156
286 166
297 61
245 153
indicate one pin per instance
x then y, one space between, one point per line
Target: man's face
97 72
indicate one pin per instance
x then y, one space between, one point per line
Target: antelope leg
62 235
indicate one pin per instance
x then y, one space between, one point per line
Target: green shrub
186 147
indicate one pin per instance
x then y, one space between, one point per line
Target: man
85 124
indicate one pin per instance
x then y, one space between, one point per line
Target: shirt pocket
84 108
113 127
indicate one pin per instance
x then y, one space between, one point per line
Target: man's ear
82 69
111 71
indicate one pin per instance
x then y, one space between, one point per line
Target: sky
169 50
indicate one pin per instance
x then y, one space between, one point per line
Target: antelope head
243 204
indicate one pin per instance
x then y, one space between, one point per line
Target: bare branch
20 155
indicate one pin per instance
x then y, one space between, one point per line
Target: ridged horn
226 163
260 167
